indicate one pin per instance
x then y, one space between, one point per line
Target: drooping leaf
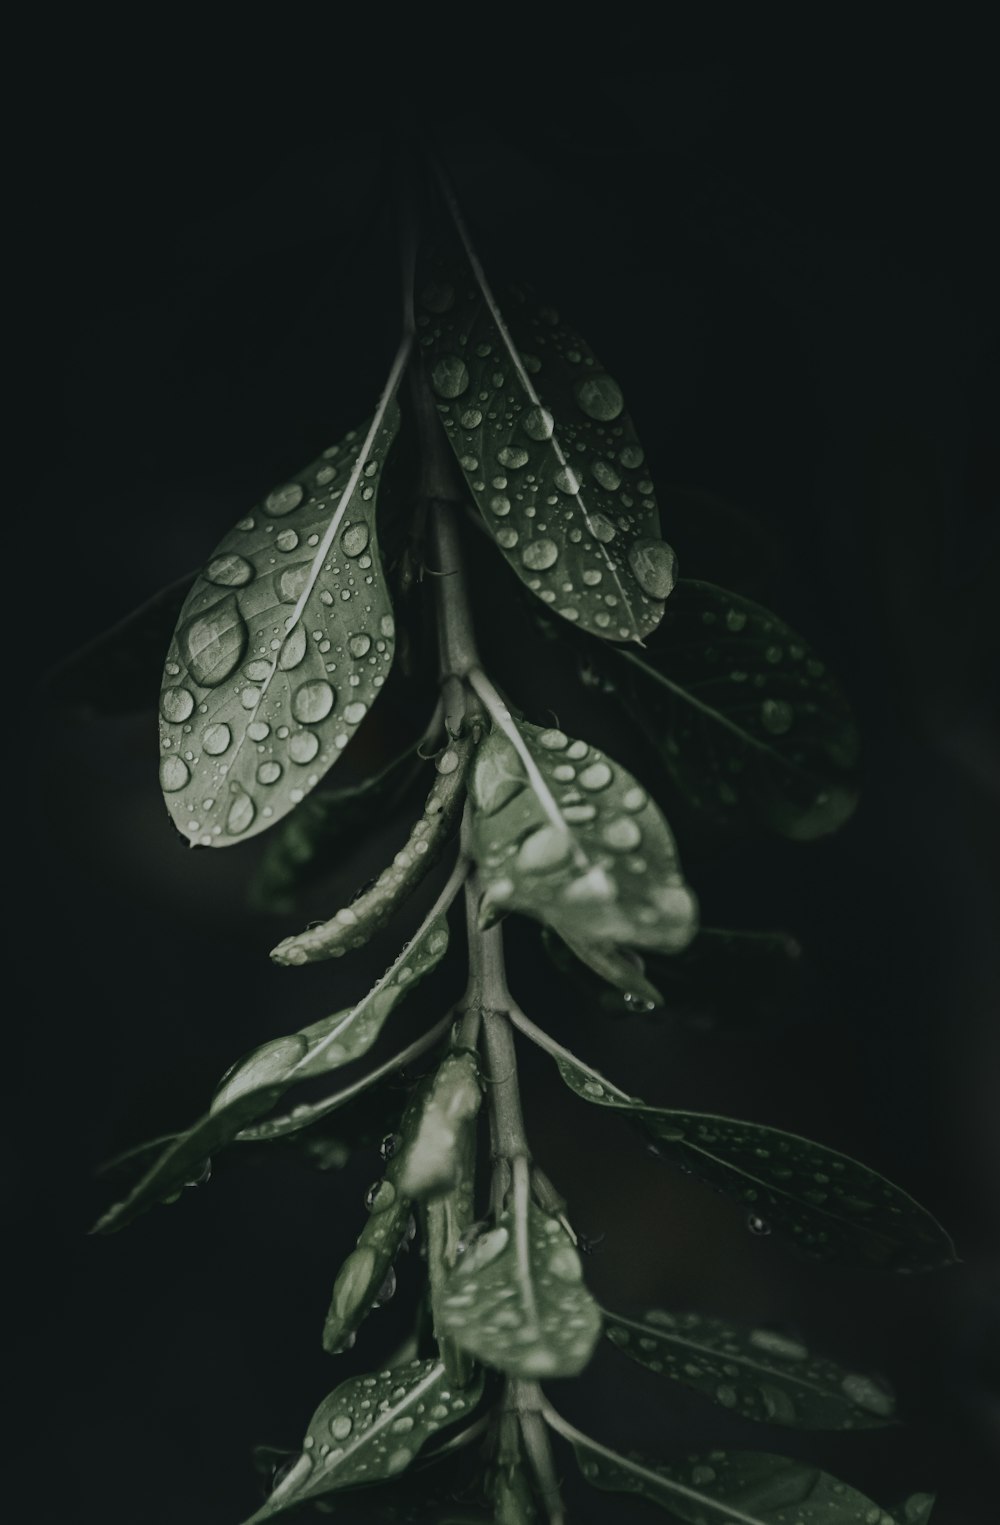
258 1082
327 822
370 1429
433 1160
550 456
119 670
569 837
516 1300
757 1373
352 926
829 1206
282 647
741 1487
444 1150
746 718
620 983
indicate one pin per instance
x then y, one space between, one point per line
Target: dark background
783 248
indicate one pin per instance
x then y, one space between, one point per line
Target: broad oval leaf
829 1206
282 647
353 925
516 1300
757 1373
550 456
257 1083
569 837
747 720
370 1429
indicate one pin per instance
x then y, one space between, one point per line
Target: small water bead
776 1344
597 776
868 1395
567 481
355 713
513 457
450 376
176 704
777 716
631 456
758 1225
577 750
313 701
174 774
538 423
471 418
229 571
601 528
293 649
735 620
325 474
387 625
564 772
283 500
540 554
605 475
500 505
250 697
702 1474
507 537
354 539
359 645
241 814
576 815
269 772
341 1426
216 739
600 397
655 566
257 730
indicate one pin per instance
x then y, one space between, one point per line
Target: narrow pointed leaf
258 1082
618 968
516 1300
829 1206
746 718
730 1488
756 1373
569 837
352 926
550 456
370 1429
282 647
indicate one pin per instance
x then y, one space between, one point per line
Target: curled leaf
282 647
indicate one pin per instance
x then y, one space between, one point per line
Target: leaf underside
282 647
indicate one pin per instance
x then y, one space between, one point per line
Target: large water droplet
622 834
355 713
229 571
354 539
450 376
176 704
293 649
216 739
600 397
537 423
287 540
513 457
631 456
174 774
313 701
597 776
291 583
606 475
241 814
655 566
601 528
567 481
283 500
213 643
777 716
545 848
867 1394
359 645
303 746
540 554
341 1426
269 772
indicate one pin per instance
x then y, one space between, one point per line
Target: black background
783 248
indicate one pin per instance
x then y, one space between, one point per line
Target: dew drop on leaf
283 500
655 566
174 774
313 701
776 716
176 704
450 376
600 397
229 571
539 555
213 643
537 424
354 539
217 739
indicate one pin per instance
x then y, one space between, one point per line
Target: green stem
525 1399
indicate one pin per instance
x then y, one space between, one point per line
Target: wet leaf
746 718
445 1150
352 926
569 837
258 1082
829 1206
328 822
118 672
516 1300
549 454
621 984
370 1429
756 1373
433 1160
282 647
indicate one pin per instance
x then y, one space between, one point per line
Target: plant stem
525 1399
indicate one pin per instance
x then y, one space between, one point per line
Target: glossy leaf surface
282 647
745 717
550 456
370 1429
569 837
757 1373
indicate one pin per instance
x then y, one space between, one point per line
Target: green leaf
516 1300
282 647
433 1162
352 926
829 1206
746 718
444 1151
302 847
565 835
741 1487
370 1429
549 454
757 1373
616 967
257 1083
118 671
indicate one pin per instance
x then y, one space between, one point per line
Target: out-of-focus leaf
569 837
509 1483
746 718
370 1429
757 1373
540 431
282 647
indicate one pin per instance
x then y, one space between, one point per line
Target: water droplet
540 554
778 1345
735 619
213 643
402 1425
293 649
250 697
600 397
216 739
176 704
500 505
269 772
471 418
537 423
758 1225
601 528
387 1290
283 500
631 456
553 740
241 814
450 376
867 1394
777 716
622 834
229 571
291 583
512 457
597 776
355 713
354 539
702 1474
545 848
259 730
341 1426
448 761
507 538
313 701
726 1395
567 481
174 774
654 565
303 746
258 671
389 1145
359 645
